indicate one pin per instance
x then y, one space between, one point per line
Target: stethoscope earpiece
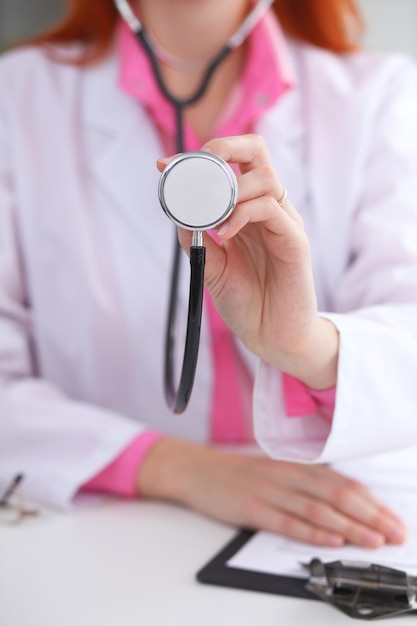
198 190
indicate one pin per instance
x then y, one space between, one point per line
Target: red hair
332 24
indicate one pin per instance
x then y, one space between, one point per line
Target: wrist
311 356
316 367
167 469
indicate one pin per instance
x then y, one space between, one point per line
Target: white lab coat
85 257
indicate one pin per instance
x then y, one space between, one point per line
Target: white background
392 24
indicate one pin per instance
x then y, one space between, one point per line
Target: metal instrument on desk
363 590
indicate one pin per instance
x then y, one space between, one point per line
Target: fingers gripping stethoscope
197 191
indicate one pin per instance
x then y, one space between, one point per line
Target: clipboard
359 589
217 572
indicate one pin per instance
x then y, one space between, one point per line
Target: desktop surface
127 563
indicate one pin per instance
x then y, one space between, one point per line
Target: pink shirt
255 92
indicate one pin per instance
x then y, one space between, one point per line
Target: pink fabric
325 402
253 95
231 409
301 400
120 476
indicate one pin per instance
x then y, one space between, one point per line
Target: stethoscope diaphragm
198 190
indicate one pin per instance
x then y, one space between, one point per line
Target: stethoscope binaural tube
179 104
177 399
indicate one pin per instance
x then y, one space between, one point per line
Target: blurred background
392 24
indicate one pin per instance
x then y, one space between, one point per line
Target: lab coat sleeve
375 309
57 443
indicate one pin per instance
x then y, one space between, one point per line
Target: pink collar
267 75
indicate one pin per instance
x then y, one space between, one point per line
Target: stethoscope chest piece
198 190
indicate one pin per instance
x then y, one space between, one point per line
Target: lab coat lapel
331 159
285 121
123 149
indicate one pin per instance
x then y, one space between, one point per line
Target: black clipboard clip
363 590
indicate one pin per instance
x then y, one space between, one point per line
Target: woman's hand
260 275
310 503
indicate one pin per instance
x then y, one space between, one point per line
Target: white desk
133 564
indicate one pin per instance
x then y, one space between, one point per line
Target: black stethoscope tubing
177 399
180 104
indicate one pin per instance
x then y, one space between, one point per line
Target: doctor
319 284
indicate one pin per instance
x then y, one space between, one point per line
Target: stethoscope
198 191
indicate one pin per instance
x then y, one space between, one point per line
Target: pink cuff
119 477
300 400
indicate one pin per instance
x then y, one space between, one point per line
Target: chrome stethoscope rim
224 168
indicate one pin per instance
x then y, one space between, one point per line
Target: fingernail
163 161
372 540
334 541
396 534
223 229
